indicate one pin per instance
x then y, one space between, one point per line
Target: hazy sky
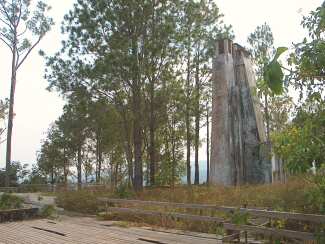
36 108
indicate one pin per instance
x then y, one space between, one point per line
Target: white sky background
36 108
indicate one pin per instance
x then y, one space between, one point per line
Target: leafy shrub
124 191
239 218
9 201
80 201
48 211
316 195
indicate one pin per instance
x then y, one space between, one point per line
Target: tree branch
6 23
17 57
2 38
29 51
20 13
23 32
285 68
4 11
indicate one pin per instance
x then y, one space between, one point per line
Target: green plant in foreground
273 74
48 211
123 191
9 201
316 195
239 218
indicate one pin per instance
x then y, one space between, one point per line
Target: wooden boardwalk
89 231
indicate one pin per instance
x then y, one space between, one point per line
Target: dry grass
292 196
285 197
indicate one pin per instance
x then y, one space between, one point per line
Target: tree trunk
129 159
11 109
137 140
116 174
267 118
99 157
128 147
52 179
152 136
187 117
173 154
152 120
208 145
197 121
65 168
79 168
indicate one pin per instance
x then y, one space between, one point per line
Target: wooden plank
232 237
93 232
271 232
277 214
254 212
162 214
253 229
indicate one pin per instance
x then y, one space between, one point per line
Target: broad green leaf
274 77
273 73
278 53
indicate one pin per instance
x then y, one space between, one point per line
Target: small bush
124 191
80 201
48 211
9 201
316 195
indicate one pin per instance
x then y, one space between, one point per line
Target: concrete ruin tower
238 154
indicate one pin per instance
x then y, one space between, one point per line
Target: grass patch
283 197
291 196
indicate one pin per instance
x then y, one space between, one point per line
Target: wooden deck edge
252 229
316 218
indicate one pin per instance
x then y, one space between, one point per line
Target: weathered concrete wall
221 172
237 127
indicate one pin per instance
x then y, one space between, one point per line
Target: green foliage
17 174
126 86
308 59
281 110
273 73
21 30
82 201
302 143
124 191
19 23
261 48
269 79
9 201
316 196
239 218
48 211
3 114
